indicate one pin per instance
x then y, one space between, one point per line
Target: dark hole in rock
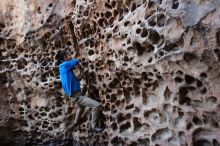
108 90
126 23
138 30
47 109
182 96
108 6
136 110
150 60
198 83
137 81
120 18
128 116
126 10
24 123
201 142
159 1
13 56
167 93
203 75
59 112
189 57
113 3
197 121
21 63
161 19
175 4
144 96
150 4
139 48
119 92
39 10
178 79
154 36
108 14
179 72
144 76
102 14
45 123
133 143
110 21
150 74
189 126
215 142
114 83
36 114
211 99
115 140
161 53
114 126
159 134
56 125
68 43
43 78
203 90
170 47
124 127
115 12
2 26
126 93
120 117
109 36
44 62
21 109
43 114
101 22
152 21
144 141
78 21
129 107
144 33
31 117
217 51
113 98
137 124
90 52
133 7
118 102
189 79
50 5
126 58
50 128
107 107
148 46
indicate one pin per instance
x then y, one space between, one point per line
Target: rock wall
154 64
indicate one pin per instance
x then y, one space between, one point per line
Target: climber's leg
85 101
79 113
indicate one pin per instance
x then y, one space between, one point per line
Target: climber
71 86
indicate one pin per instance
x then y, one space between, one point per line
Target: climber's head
62 56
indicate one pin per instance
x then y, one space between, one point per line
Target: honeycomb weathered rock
153 63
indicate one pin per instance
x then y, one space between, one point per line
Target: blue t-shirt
68 79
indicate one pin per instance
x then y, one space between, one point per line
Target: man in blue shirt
71 86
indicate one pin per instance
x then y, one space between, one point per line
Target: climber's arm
70 65
81 73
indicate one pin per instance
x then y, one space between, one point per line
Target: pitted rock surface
154 64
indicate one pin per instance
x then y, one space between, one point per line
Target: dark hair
60 57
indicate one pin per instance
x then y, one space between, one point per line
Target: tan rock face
154 65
